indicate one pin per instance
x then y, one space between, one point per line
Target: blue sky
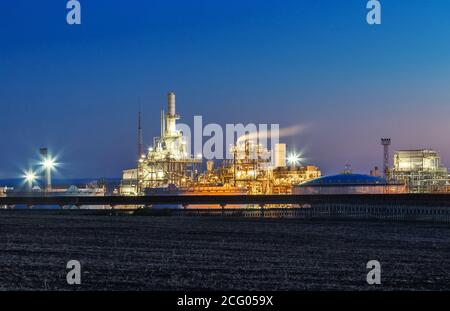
77 89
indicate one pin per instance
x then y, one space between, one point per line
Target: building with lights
285 177
89 189
167 162
279 155
253 169
421 171
3 191
128 185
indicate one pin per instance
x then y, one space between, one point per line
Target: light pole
48 165
30 177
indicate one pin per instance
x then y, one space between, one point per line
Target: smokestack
171 104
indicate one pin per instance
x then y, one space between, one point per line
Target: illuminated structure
167 163
167 167
285 178
248 170
420 170
48 164
129 182
30 178
279 155
3 191
251 169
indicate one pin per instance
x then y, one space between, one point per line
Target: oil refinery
167 167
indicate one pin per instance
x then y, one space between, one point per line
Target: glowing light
30 176
293 159
49 163
199 156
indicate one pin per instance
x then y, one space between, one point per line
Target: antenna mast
140 139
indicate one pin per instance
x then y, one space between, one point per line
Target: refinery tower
169 166
167 163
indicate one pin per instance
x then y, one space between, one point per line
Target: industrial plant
168 168
421 171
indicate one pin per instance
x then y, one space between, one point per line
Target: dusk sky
77 89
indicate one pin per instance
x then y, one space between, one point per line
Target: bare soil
214 253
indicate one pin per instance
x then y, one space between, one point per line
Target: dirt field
171 253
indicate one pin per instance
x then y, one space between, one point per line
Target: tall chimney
171 104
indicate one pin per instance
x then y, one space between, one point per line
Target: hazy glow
293 159
49 163
30 176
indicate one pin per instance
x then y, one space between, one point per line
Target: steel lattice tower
386 142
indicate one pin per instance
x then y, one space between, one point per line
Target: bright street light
30 176
49 163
